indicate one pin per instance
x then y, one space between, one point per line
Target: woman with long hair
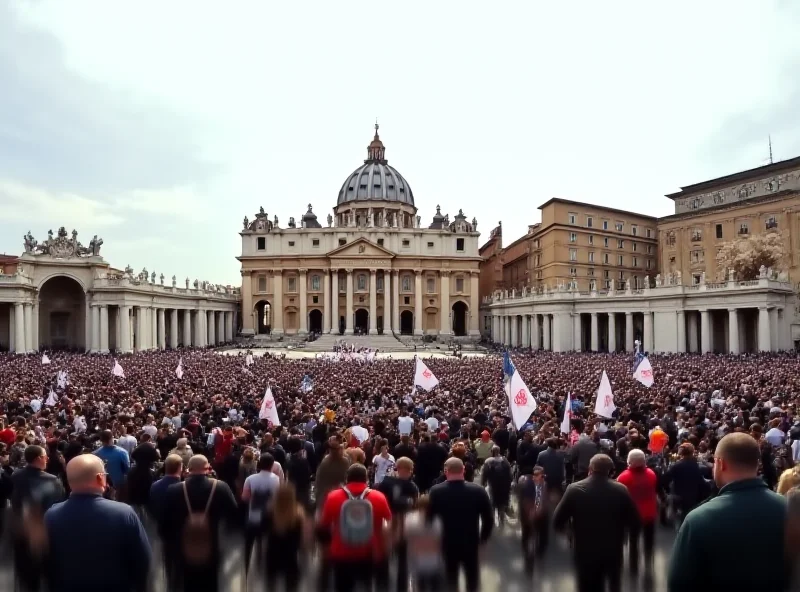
287 531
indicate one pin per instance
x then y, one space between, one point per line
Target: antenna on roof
770 150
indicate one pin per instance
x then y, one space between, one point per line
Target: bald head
198 465
86 474
454 469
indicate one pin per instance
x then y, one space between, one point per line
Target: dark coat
724 542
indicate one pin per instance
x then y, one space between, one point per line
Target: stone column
681 320
733 331
373 301
28 327
277 297
87 325
388 303
595 337
648 332
764 338
513 337
187 328
35 345
11 329
303 279
348 315
418 302
444 308
629 346
326 303
612 332
248 327
103 329
220 327
535 339
546 333
705 331
334 316
211 328
199 329
95 346
773 330
125 329
162 328
577 332
396 300
526 331
474 305
137 328
19 328
173 328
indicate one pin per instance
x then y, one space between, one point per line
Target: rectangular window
591 239
406 242
380 242
620 226
315 299
459 285
719 230
696 279
537 260
315 242
536 243
460 245
573 237
292 284
291 243
743 229
262 283
605 258
261 243
315 283
362 282
649 249
430 245
621 275
605 224
406 299
590 271
406 283
431 285
573 255
605 273
620 244
589 221
648 233
635 262
619 259
573 271
633 245
572 218
379 283
608 284
591 256
342 241
649 263
634 230
772 223
605 243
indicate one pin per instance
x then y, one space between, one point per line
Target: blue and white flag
508 368
637 359
307 385
521 403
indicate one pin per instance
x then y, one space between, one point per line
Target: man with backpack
33 492
256 493
193 513
355 519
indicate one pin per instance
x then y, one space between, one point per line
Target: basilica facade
371 267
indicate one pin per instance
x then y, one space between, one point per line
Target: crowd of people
389 485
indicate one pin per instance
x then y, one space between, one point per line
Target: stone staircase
387 342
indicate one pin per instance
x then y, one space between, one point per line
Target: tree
746 255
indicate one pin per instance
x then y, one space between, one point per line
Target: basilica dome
375 179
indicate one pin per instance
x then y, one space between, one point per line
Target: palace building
372 267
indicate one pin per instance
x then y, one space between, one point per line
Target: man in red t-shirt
356 564
642 484
7 435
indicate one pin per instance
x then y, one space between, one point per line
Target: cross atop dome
376 152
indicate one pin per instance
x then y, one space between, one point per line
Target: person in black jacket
602 513
298 471
466 514
686 479
553 461
222 509
527 452
430 458
33 492
401 493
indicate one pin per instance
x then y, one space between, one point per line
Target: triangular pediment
360 249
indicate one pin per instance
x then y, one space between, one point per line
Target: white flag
117 370
45 360
268 410
51 398
249 360
565 425
604 406
520 400
61 379
179 369
644 372
424 377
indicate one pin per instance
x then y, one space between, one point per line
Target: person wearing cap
483 447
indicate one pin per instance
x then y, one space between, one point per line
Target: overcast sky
160 125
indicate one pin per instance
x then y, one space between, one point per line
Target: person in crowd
193 513
534 514
358 548
483 447
711 540
642 484
467 519
112 553
686 479
602 514
423 538
498 476
115 459
127 441
257 491
553 461
789 479
401 493
331 471
157 501
287 531
33 492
